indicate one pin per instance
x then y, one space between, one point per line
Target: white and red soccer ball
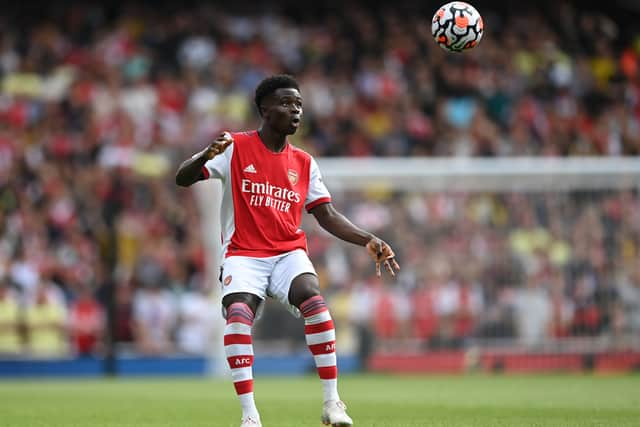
457 26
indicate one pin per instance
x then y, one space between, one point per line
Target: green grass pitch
373 400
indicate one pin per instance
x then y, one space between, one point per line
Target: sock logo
330 347
227 280
242 361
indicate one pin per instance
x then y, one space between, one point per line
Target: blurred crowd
550 79
529 270
99 104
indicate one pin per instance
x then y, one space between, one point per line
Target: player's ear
259 108
264 110
267 103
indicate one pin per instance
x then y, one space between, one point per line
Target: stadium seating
98 107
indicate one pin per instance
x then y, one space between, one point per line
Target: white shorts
265 277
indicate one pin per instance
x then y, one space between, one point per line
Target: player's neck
275 142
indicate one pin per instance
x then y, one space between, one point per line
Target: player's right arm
190 171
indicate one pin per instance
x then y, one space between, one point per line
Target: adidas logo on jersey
250 169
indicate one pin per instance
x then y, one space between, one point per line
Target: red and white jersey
264 194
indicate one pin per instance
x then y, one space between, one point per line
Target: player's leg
240 309
294 282
319 330
321 338
244 286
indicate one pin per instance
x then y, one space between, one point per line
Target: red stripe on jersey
318 327
317 202
328 373
323 348
243 387
240 361
237 339
205 172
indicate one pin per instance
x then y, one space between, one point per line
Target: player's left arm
338 225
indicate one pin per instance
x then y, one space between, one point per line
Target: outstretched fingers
391 265
388 267
382 254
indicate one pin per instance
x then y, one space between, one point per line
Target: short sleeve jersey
264 194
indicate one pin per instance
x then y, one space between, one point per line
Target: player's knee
249 300
303 287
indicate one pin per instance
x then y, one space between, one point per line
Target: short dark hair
271 84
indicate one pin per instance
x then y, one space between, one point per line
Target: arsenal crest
293 176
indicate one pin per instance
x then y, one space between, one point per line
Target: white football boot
251 422
334 413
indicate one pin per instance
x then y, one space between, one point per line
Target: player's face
284 112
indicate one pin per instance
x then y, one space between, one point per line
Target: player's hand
219 145
382 253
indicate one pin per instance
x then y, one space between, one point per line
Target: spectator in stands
629 289
154 319
86 322
470 304
124 323
197 317
390 313
447 290
46 323
424 319
562 306
533 308
10 337
586 316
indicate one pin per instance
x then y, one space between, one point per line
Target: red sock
321 339
239 351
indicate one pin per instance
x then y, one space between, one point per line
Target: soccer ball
457 26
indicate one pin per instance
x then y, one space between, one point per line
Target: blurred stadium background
506 178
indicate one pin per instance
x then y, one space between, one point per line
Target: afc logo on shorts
227 280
